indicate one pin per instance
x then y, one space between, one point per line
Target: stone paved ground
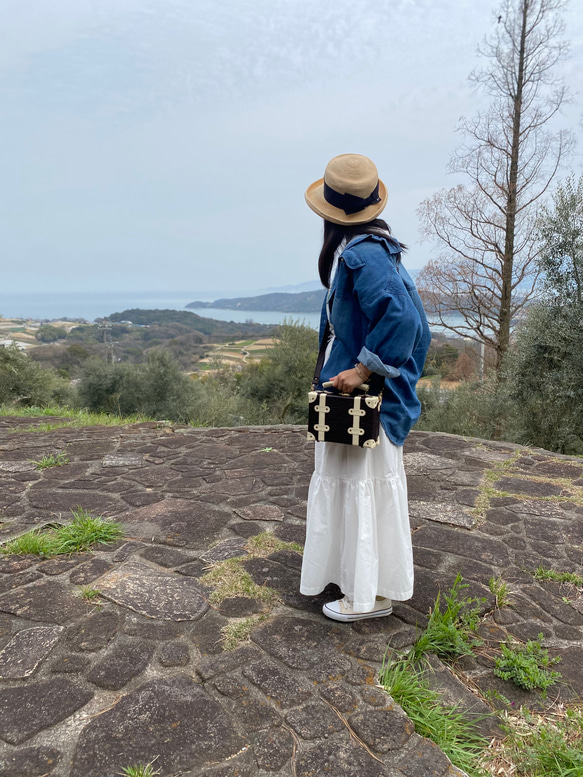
87 690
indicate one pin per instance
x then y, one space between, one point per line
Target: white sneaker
343 610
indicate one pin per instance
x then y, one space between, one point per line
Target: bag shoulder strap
321 354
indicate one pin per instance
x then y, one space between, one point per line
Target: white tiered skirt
358 533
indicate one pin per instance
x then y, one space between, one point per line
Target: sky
161 145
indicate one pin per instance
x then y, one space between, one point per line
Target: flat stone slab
529 487
122 662
426 463
29 762
26 650
95 631
442 512
298 642
47 601
26 710
155 594
170 719
260 513
277 684
16 466
443 538
230 548
178 522
340 759
537 507
122 460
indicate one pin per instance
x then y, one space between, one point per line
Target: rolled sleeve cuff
372 362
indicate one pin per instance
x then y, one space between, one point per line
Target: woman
358 533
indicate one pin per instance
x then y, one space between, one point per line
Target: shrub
543 374
47 333
25 383
157 388
473 409
279 383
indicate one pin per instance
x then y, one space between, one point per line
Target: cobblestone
85 692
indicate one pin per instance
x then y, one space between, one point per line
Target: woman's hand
347 381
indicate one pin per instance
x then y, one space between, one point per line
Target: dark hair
335 233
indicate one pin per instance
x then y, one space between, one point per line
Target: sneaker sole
336 616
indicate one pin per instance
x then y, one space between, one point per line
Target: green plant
85 531
527 665
89 594
560 577
446 726
540 745
81 534
51 460
140 770
238 631
24 383
500 590
228 578
35 543
450 633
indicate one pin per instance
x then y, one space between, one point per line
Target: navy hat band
350 203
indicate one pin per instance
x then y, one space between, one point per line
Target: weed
450 633
540 745
81 534
140 770
446 726
542 574
228 578
265 543
52 460
238 631
527 665
68 417
85 532
89 594
34 543
500 590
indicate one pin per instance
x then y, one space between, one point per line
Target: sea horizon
89 306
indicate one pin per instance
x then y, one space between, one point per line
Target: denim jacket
378 319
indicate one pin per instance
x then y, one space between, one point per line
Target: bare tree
486 271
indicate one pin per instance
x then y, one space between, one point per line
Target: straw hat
350 191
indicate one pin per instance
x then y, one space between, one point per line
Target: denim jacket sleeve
393 321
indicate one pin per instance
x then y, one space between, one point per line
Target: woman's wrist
363 372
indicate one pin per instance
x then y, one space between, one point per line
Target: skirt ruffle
358 533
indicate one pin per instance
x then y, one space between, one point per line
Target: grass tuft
500 590
52 460
450 633
444 725
265 543
229 578
238 631
89 594
83 533
540 745
67 418
542 574
140 770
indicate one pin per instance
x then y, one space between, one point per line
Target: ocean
90 306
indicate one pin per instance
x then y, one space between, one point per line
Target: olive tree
486 271
545 364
